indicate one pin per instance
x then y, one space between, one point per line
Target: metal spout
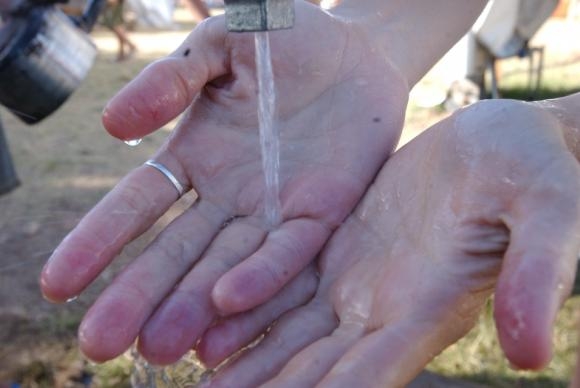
259 15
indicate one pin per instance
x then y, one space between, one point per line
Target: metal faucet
259 15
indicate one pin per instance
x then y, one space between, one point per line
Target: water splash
269 136
188 372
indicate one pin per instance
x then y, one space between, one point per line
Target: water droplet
508 181
134 142
69 300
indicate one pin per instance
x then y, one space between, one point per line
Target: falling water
187 372
269 136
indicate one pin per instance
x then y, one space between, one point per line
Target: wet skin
486 200
175 289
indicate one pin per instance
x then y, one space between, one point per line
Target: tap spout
259 15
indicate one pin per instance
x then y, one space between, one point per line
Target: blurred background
53 172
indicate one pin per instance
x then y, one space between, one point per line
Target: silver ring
162 169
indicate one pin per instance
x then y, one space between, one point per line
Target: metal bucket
44 57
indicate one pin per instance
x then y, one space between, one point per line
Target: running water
269 136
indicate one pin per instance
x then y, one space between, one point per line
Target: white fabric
153 13
507 25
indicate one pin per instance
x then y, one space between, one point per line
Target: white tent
503 30
506 26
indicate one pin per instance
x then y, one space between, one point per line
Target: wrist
414 34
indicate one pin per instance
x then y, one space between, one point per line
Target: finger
283 255
394 355
309 366
166 87
115 319
291 334
231 335
539 268
124 214
178 323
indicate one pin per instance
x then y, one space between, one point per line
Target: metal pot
44 57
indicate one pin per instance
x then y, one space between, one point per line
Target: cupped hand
340 107
485 200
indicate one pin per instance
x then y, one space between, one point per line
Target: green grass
113 374
557 80
478 356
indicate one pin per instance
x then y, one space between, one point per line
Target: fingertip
51 294
161 92
218 343
114 123
285 252
155 355
230 296
245 287
94 346
127 117
524 315
206 353
173 330
526 346
148 102
60 282
111 326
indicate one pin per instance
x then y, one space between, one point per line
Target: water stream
269 136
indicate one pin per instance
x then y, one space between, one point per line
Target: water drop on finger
134 142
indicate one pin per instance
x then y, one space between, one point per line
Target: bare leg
124 41
198 9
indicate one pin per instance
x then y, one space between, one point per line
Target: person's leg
8 178
113 20
198 9
126 47
120 43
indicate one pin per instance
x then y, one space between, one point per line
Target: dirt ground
66 164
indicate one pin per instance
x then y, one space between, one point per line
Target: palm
407 274
339 115
340 109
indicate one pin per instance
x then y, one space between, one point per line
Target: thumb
167 87
393 355
538 272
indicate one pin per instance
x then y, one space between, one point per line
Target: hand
340 110
487 199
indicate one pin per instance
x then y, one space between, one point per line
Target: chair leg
535 70
494 80
8 178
